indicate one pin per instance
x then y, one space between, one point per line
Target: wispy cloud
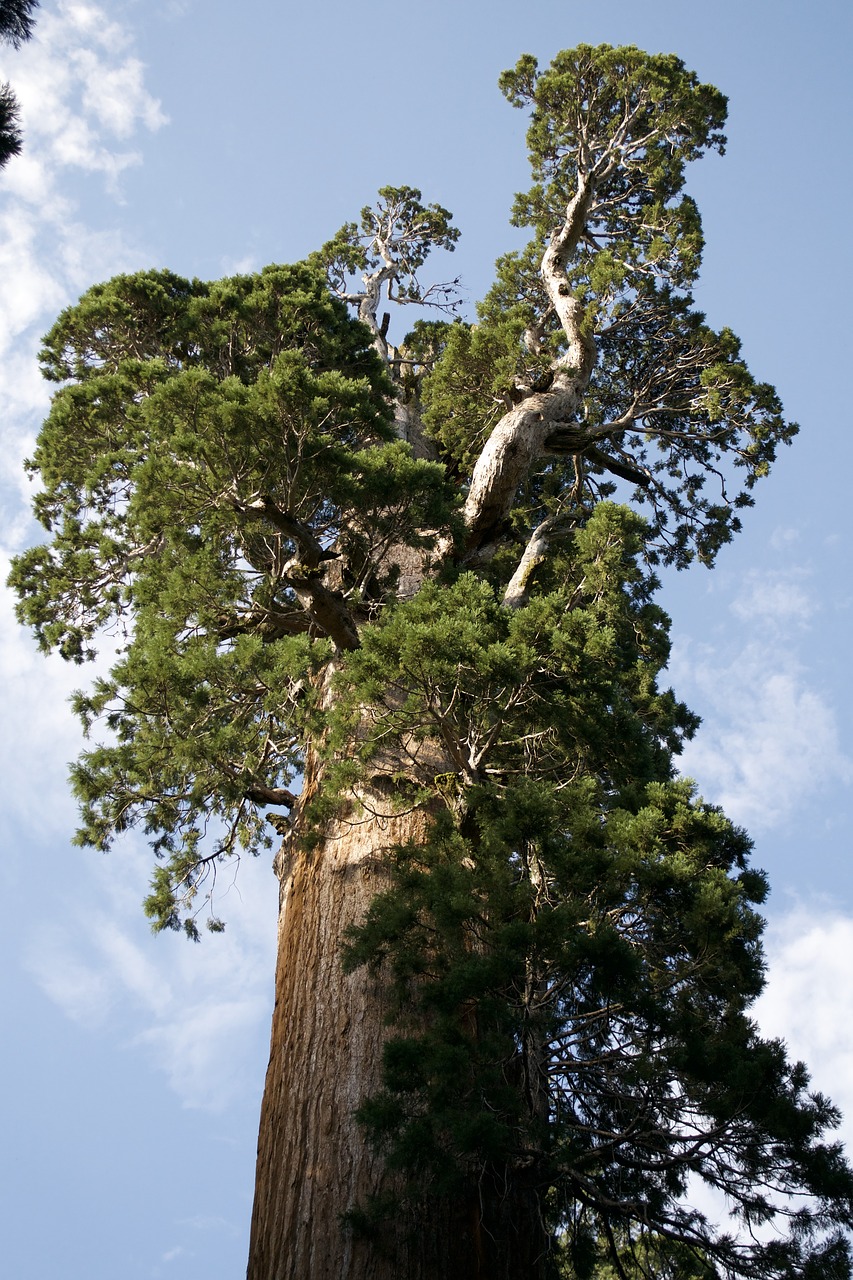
83 99
198 1013
84 991
770 740
784 537
197 1049
172 1255
39 735
777 599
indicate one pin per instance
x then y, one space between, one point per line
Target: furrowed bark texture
325 1056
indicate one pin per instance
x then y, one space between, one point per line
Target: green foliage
10 131
210 447
190 415
646 1256
17 20
610 989
632 120
194 729
392 240
564 686
472 384
574 947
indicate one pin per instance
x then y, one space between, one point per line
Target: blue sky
188 134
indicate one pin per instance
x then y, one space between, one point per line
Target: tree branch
325 608
536 551
520 436
263 796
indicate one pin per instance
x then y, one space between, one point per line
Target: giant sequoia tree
380 600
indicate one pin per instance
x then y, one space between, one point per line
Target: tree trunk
325 1056
314 1163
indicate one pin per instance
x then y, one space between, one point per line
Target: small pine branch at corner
17 22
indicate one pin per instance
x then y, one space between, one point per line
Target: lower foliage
574 948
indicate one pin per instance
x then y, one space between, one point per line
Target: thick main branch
521 436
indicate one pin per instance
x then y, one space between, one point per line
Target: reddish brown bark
314 1163
325 1057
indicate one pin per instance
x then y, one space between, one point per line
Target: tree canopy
212 450
405 564
591 331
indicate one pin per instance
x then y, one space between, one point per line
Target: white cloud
770 740
244 265
82 990
92 23
117 96
133 970
808 1001
199 1050
31 288
784 537
79 91
171 1255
